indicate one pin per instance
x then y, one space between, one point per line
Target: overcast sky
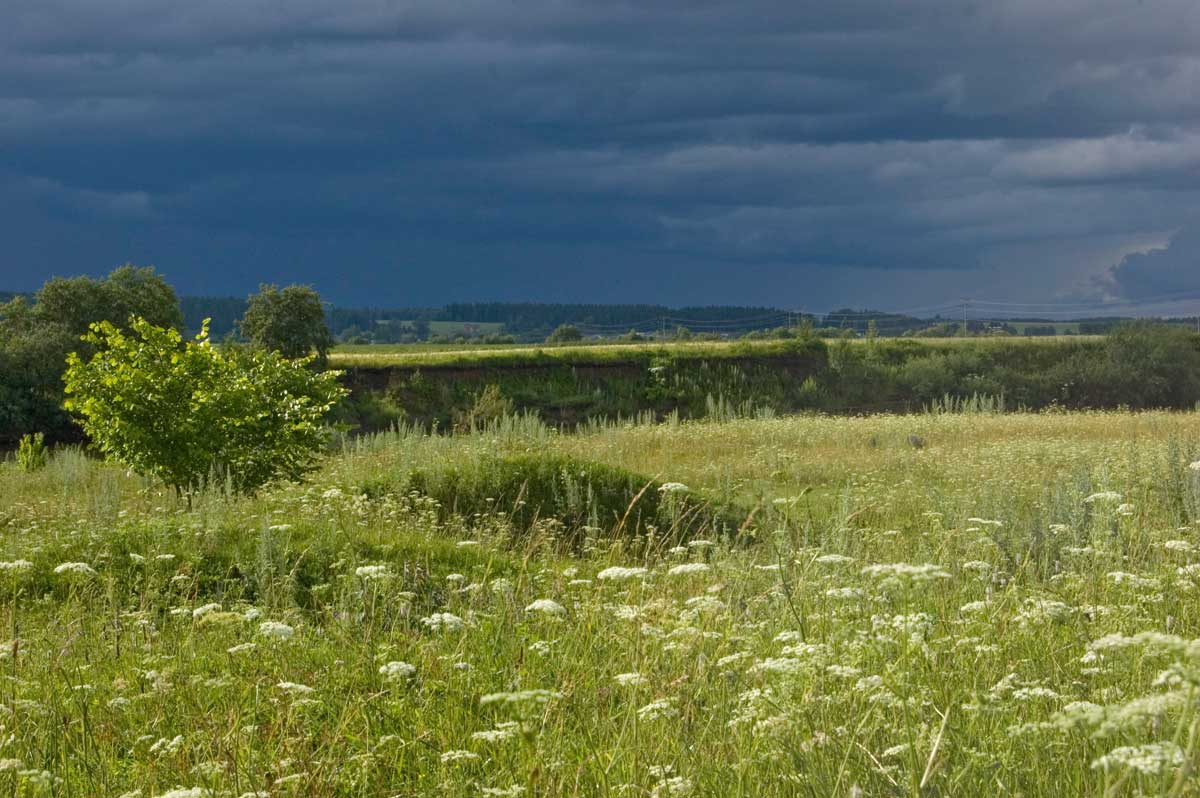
797 154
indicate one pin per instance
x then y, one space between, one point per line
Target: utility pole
965 302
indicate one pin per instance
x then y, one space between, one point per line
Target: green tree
290 321
35 339
188 413
78 302
565 334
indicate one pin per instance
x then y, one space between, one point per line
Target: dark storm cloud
1162 274
406 152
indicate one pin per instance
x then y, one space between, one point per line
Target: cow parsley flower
369 573
662 708
81 568
295 688
458 756
673 487
443 621
547 606
205 609
902 571
16 566
1151 759
503 731
672 787
688 568
520 697
397 671
617 573
276 630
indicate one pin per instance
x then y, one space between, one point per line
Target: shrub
578 494
565 334
188 413
31 452
488 405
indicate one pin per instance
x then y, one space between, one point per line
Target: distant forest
531 321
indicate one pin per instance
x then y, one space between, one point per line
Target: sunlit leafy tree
189 413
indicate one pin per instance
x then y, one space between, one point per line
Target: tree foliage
290 321
188 413
76 303
36 337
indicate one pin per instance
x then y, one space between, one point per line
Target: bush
189 414
489 405
31 452
565 334
578 494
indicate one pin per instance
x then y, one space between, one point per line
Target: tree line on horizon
535 321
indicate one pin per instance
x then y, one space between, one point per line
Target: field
468 354
939 604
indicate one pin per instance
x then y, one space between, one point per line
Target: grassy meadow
470 354
928 605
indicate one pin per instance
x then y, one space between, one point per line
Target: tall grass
1008 608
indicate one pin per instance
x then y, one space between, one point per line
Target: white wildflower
396 671
662 708
520 697
617 573
1151 759
903 571
295 688
205 609
673 787
276 630
75 568
443 621
548 607
458 756
503 731
688 568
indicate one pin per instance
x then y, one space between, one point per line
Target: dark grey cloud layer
796 153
